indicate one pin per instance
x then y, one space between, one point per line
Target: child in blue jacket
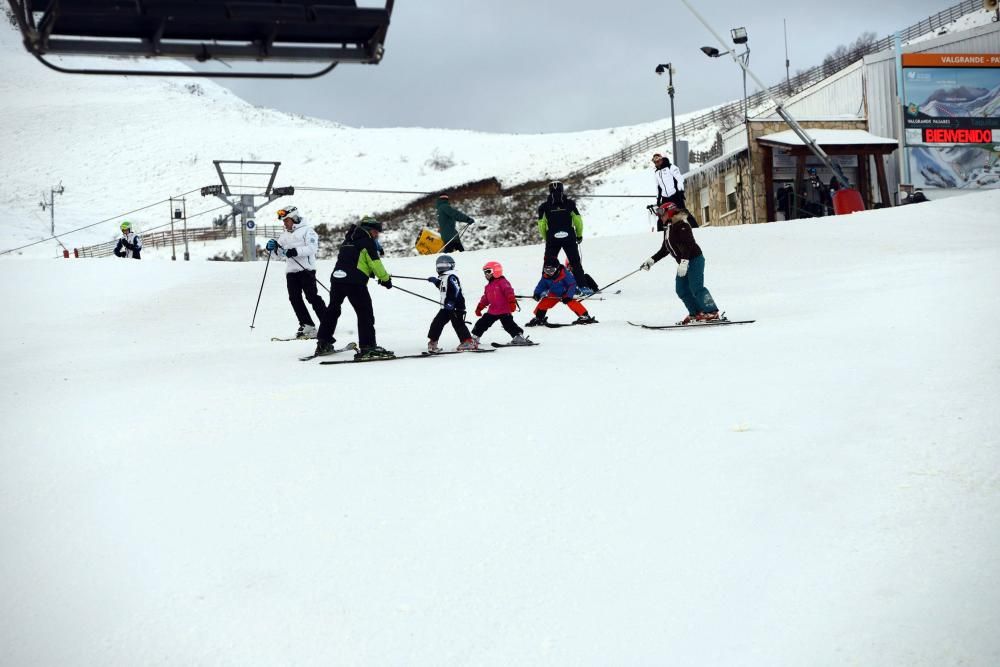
557 284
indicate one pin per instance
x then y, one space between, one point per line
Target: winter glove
433 280
119 253
566 299
291 252
536 296
386 283
682 268
449 305
579 240
479 311
648 264
272 245
513 305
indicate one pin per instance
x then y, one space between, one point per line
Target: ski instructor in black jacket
561 227
357 261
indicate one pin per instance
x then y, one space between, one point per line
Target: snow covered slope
818 488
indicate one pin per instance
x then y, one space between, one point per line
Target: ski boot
585 319
539 320
323 349
433 347
520 340
373 352
306 331
468 344
688 319
584 291
707 317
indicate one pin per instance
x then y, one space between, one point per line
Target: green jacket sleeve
577 224
371 266
543 226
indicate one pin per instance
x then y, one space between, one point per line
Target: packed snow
818 488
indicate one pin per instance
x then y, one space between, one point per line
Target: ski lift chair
329 31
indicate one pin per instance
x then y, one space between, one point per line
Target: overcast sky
532 66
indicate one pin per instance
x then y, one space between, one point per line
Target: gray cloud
562 65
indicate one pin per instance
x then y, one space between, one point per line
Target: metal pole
673 125
778 107
52 210
173 247
246 214
746 123
187 255
788 78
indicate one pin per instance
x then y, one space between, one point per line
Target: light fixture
211 190
739 35
287 190
711 51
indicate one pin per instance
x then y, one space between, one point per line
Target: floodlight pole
778 106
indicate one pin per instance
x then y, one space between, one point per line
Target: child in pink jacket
499 297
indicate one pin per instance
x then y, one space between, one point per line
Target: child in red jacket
500 301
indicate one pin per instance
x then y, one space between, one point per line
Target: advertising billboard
951 115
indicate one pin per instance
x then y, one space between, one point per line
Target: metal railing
797 83
166 237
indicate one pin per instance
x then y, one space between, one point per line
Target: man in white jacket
670 186
299 244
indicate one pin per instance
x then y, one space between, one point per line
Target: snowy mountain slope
137 141
818 488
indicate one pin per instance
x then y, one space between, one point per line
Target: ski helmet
126 226
369 222
551 267
444 263
289 212
556 190
492 269
669 209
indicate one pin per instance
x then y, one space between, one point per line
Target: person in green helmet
129 244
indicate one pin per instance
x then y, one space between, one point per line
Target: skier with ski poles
452 307
357 261
679 243
299 245
447 215
561 227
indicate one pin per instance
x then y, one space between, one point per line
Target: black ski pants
567 245
506 321
457 319
304 282
454 245
361 301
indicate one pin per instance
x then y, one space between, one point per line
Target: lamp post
669 69
739 36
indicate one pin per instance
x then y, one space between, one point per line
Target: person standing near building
299 245
129 244
357 261
679 243
561 227
670 186
447 215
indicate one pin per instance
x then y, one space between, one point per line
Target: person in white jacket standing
299 244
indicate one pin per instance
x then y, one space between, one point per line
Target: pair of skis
694 325
422 355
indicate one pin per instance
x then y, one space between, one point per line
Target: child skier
452 307
678 241
557 284
129 243
499 297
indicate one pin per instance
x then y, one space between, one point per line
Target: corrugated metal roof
829 138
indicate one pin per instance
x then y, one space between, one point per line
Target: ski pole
295 259
421 296
266 264
612 283
458 237
409 277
